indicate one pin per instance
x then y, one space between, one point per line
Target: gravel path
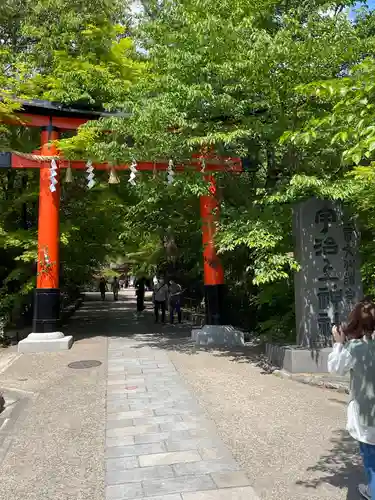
55 447
289 437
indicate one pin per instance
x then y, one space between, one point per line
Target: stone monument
326 287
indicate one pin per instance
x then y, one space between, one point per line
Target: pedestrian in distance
115 288
160 299
175 291
102 287
140 288
354 352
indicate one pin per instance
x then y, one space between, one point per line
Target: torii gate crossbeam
52 118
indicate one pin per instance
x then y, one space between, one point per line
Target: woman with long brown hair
354 352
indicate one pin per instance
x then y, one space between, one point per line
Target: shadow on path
117 319
341 467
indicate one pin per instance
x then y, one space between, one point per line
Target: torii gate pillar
46 336
54 117
216 331
213 271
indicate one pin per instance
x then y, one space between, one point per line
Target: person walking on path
115 288
102 287
160 298
354 352
175 292
140 287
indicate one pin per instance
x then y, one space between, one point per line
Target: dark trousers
159 305
140 303
368 456
175 305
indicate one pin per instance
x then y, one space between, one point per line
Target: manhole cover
80 365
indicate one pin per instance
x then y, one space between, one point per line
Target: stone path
159 444
143 427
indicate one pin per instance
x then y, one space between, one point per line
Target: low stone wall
295 359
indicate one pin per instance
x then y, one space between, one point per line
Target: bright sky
370 3
136 7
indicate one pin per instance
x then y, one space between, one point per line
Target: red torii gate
53 118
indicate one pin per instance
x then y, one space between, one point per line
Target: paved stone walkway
159 444
135 431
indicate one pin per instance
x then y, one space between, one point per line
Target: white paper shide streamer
203 165
170 172
53 176
90 174
133 172
69 175
46 257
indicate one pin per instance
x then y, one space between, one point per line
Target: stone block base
295 359
45 342
217 335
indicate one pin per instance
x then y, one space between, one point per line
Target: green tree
224 75
71 52
337 117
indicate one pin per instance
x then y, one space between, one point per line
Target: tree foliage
71 52
276 83
337 116
224 75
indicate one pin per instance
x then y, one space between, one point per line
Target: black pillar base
215 304
46 310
